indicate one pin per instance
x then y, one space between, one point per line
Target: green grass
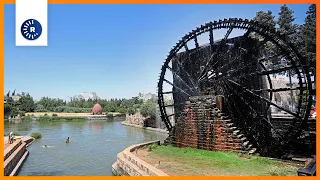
36 135
60 118
217 163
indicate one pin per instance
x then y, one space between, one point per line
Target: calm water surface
92 150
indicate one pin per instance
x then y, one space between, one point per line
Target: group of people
10 138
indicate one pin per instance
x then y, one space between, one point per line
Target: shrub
36 135
27 118
109 114
54 115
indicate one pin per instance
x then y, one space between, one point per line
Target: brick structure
202 125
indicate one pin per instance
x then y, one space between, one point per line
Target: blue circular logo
31 29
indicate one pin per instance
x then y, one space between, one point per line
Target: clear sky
113 50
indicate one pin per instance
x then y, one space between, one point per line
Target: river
93 146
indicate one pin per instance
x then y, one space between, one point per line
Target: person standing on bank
11 137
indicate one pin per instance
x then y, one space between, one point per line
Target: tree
285 22
27 103
308 38
131 110
269 49
7 108
289 31
148 109
265 18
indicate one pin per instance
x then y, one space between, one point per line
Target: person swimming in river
68 139
46 146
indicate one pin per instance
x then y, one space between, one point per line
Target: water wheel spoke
275 71
213 56
187 74
264 99
211 39
254 110
280 89
175 74
167 81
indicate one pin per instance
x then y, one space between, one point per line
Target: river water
93 146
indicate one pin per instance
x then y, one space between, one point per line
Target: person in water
68 139
45 146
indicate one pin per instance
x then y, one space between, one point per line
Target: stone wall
201 125
128 164
136 119
14 156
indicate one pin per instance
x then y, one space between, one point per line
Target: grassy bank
38 114
55 118
192 162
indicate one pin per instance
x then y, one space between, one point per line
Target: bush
27 118
54 115
109 114
36 135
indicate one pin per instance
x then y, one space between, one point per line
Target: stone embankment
15 154
147 128
128 164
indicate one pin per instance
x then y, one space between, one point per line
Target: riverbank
37 114
128 164
194 162
69 117
147 128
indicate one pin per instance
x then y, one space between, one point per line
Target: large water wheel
240 68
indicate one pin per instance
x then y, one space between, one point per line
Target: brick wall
203 126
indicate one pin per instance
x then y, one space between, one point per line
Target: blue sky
113 50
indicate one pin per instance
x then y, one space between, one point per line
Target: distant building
145 97
87 95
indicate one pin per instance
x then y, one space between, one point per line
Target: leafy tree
308 38
131 110
7 108
265 18
289 31
269 49
285 22
148 109
40 108
27 103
